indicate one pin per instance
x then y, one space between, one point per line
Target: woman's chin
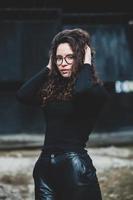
66 75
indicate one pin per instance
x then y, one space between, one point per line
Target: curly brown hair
58 87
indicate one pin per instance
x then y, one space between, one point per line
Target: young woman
72 97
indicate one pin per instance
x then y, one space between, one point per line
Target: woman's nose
64 62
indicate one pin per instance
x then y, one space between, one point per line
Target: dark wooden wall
25 38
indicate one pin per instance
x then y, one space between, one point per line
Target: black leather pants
67 176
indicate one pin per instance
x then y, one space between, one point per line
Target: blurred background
26 30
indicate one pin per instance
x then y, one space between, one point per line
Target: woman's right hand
49 64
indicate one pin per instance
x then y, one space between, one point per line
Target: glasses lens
59 60
68 58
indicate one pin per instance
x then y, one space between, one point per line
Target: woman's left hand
87 58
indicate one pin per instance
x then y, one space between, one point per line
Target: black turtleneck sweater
68 123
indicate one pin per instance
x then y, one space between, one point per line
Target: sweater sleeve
28 92
89 97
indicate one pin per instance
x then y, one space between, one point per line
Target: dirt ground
114 170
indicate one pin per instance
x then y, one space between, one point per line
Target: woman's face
64 59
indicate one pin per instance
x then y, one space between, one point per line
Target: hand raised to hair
49 64
87 58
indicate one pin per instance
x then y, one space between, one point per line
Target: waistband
58 151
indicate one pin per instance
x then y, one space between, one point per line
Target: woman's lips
64 71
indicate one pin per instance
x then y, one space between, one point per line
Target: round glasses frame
68 59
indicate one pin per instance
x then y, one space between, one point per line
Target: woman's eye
70 57
59 58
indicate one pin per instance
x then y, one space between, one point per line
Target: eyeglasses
68 58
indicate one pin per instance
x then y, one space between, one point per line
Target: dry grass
17 179
117 184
